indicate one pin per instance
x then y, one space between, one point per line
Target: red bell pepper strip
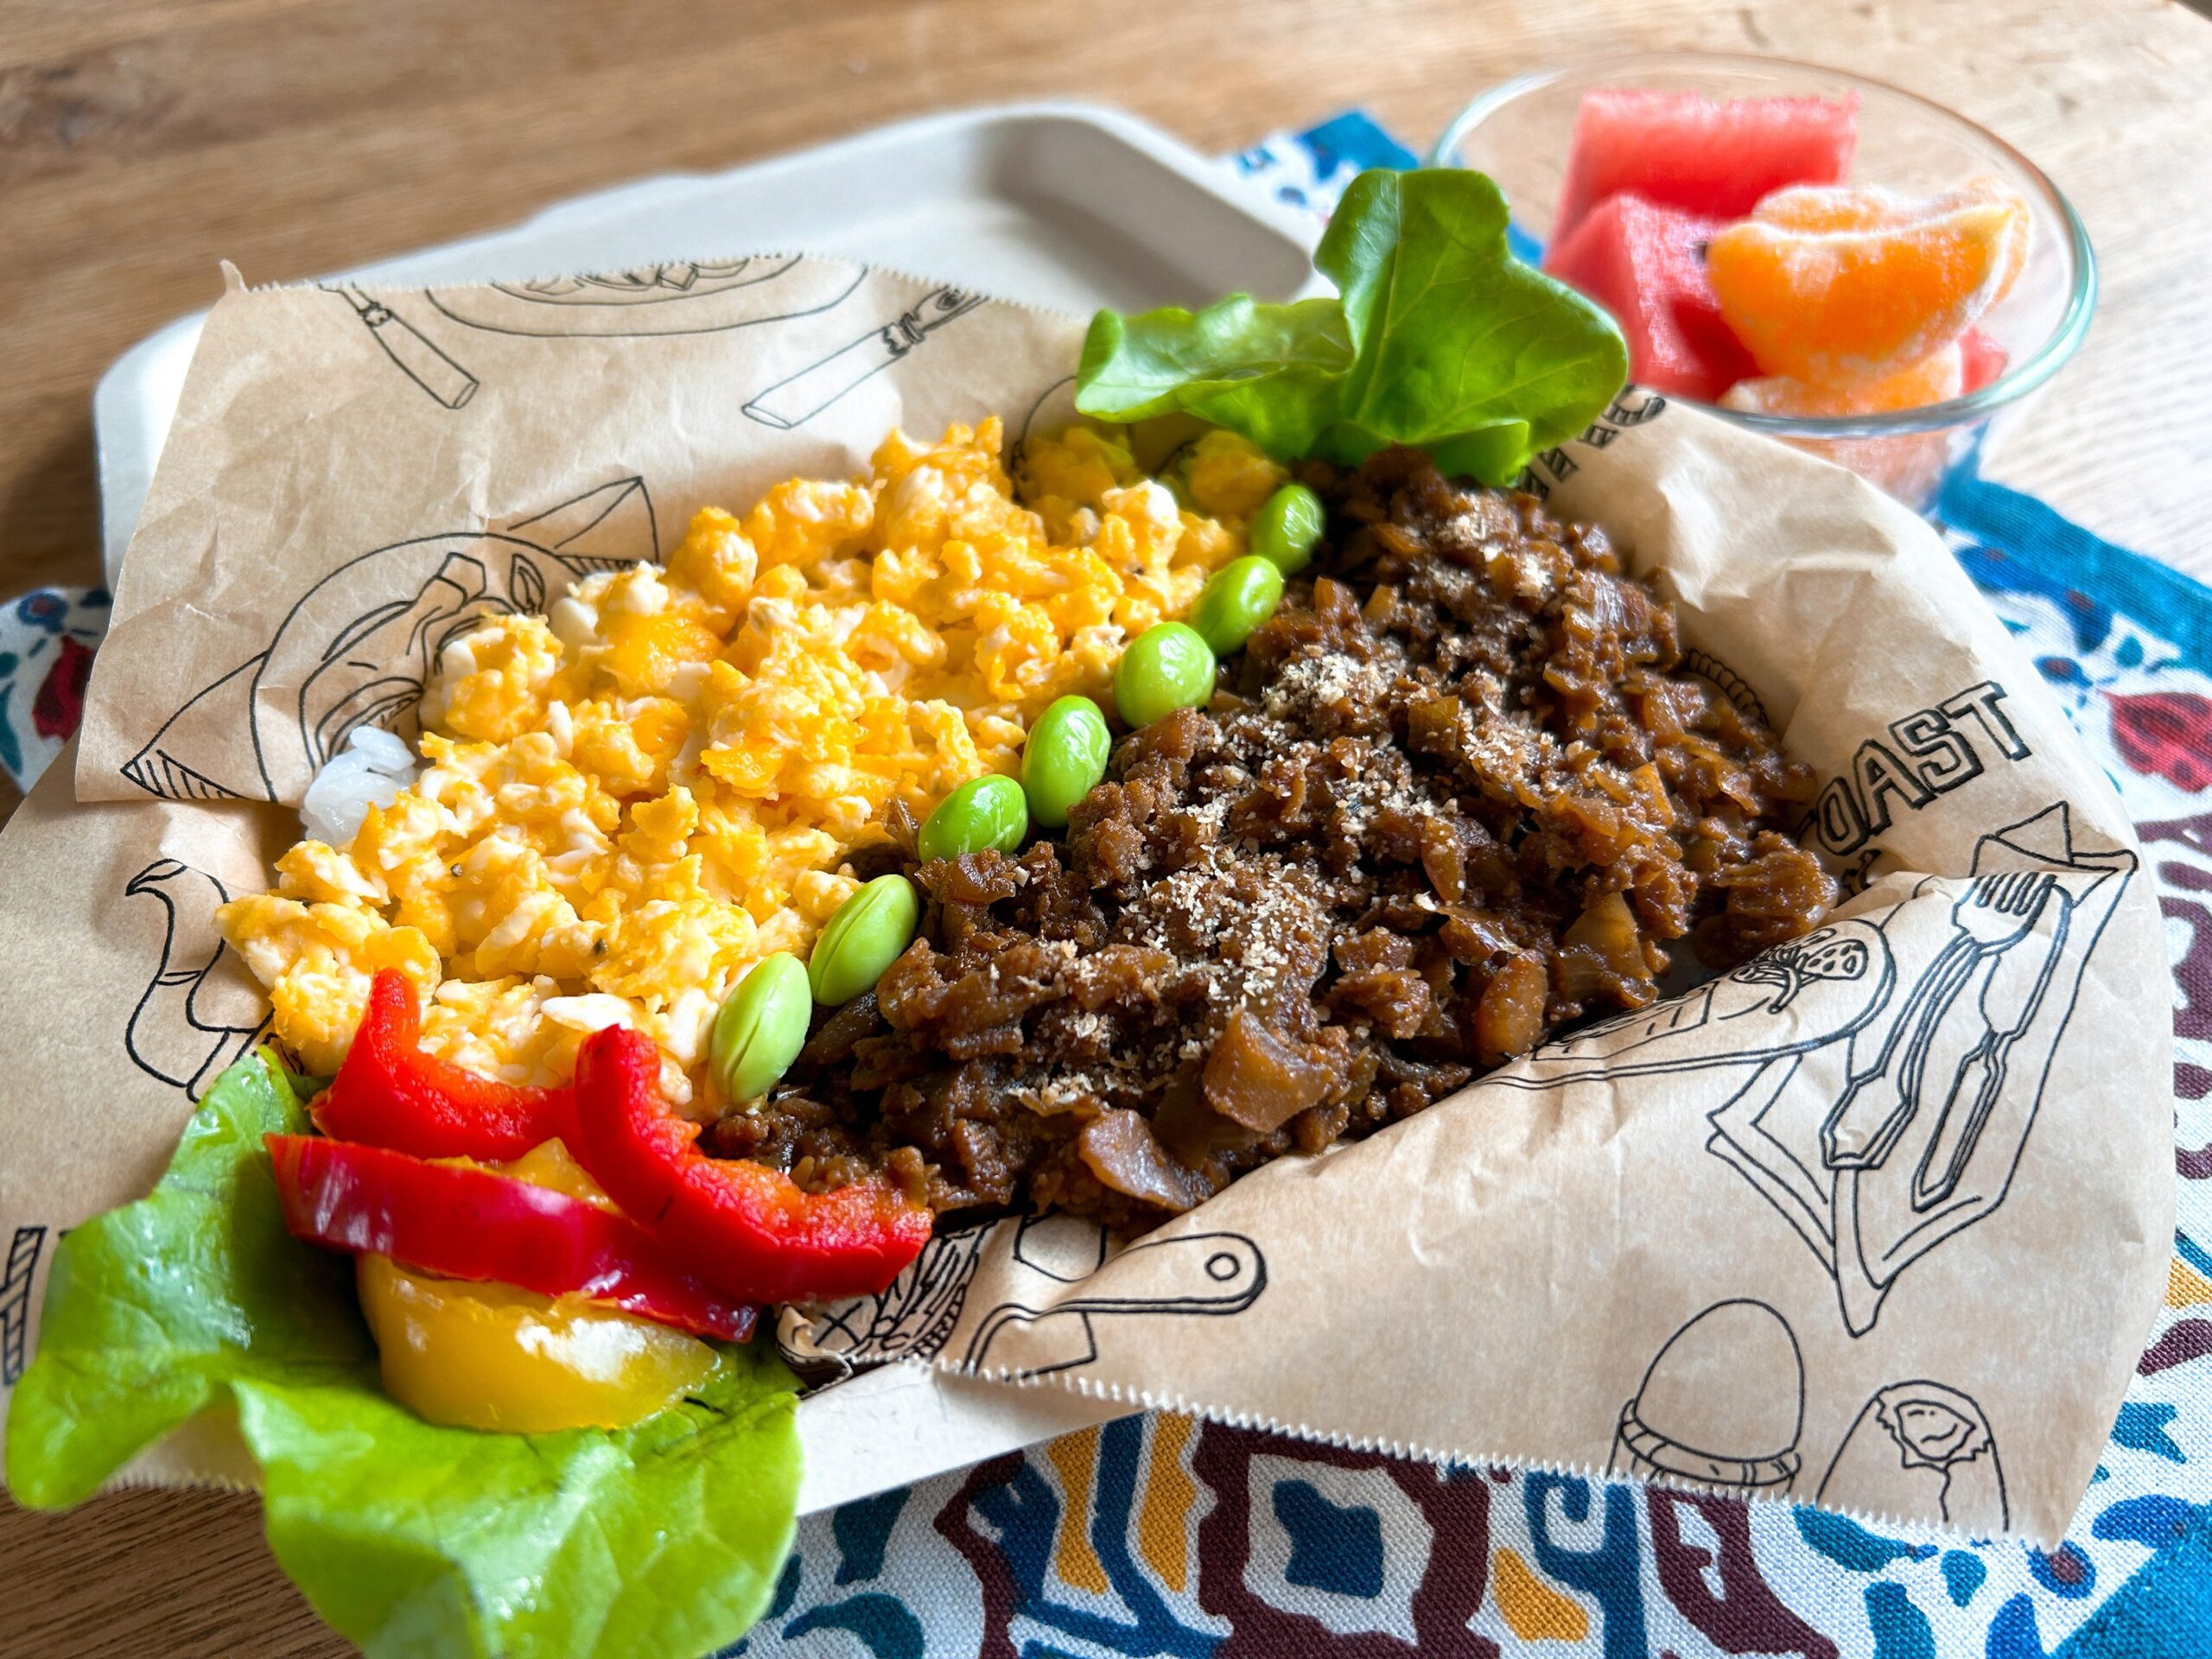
466 1223
738 1224
389 1093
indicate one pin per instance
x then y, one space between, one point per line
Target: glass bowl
1517 132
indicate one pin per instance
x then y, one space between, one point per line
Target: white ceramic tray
1057 204
1060 205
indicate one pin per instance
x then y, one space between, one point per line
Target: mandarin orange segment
1869 206
1852 283
1837 207
1935 379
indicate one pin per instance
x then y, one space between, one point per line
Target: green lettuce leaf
1438 338
664 1537
154 1310
1267 371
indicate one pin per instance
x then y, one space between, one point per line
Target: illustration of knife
1879 1101
1994 915
417 358
1213 1274
799 398
1980 1080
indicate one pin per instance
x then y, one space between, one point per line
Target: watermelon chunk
1645 264
1681 149
1981 359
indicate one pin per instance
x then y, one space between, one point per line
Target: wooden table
142 140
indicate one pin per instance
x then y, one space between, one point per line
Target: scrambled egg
628 801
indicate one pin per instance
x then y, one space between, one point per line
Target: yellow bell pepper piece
551 1164
494 1356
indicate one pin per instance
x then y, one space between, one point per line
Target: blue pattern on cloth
1155 1535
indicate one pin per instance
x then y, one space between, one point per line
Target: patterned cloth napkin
46 641
1160 1535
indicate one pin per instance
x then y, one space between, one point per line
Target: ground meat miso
1457 794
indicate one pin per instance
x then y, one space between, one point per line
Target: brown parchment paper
1879 1221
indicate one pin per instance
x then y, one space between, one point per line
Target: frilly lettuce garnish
1439 338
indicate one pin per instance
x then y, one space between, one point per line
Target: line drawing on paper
1213 1274
1631 406
358 646
417 357
1053 409
1938 1102
1944 1034
24 1250
1688 1421
201 1008
806 392
677 297
1832 983
1728 682
913 1319
1910 1435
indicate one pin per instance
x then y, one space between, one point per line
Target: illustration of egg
1722 1404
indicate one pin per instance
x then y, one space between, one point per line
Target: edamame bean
1064 759
866 935
1285 530
1164 668
761 1026
1240 597
987 811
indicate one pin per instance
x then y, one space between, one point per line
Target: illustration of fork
1979 1079
1994 914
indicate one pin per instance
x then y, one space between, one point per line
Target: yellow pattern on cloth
2185 1285
1075 1459
1169 1494
633 798
1534 1611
